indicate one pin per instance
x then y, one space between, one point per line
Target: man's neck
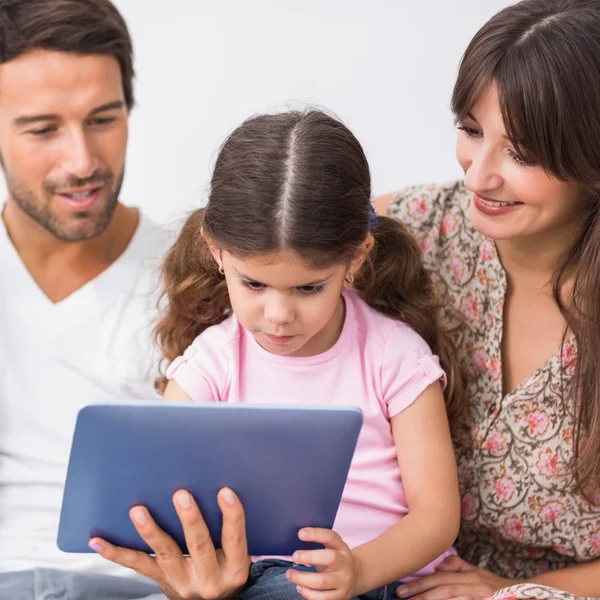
58 267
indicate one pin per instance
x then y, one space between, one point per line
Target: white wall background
386 67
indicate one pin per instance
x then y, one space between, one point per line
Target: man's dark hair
76 26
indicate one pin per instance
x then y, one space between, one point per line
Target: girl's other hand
206 573
337 571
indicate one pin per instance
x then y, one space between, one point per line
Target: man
75 305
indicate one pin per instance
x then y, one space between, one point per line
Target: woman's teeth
495 204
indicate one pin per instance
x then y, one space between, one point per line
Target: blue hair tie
373 219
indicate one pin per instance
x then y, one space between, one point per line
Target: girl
260 310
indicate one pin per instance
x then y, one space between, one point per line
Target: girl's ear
215 250
362 253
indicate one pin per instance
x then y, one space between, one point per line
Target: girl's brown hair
544 57
296 181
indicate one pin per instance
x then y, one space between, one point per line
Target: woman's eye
470 131
519 159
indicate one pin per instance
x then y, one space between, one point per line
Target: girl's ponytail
394 281
194 293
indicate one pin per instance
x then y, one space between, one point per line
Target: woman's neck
535 259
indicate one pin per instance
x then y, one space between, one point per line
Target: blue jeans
267 582
49 584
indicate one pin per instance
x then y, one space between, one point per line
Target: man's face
63 138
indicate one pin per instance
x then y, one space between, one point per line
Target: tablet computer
288 465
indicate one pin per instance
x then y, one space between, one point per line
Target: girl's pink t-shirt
379 364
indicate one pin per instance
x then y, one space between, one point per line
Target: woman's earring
221 270
349 278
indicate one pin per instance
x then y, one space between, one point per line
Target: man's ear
214 248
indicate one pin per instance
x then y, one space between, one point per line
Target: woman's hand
207 574
454 578
336 566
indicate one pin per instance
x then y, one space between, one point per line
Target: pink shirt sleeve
409 367
203 369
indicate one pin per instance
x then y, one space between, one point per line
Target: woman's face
511 199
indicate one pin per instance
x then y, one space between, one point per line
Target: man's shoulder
152 239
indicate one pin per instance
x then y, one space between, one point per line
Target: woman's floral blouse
520 515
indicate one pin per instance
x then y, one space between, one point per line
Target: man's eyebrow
117 104
28 119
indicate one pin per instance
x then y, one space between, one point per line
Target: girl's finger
311 594
318 558
324 581
327 537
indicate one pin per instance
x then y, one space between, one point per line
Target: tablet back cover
287 464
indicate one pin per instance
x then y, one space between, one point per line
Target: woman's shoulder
422 207
432 194
438 217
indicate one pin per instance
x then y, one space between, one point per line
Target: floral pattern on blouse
528 591
520 514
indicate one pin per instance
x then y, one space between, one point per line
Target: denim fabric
267 582
48 584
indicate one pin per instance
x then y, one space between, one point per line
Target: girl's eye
310 289
252 285
470 131
519 159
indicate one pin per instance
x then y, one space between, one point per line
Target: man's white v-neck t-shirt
92 347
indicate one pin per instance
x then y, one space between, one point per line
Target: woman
516 247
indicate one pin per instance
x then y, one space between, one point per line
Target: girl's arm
428 469
175 392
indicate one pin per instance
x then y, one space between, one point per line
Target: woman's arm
457 579
428 468
581 580
381 203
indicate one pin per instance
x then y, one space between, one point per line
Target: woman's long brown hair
544 57
297 181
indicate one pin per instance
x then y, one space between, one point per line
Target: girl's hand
207 573
454 578
336 566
